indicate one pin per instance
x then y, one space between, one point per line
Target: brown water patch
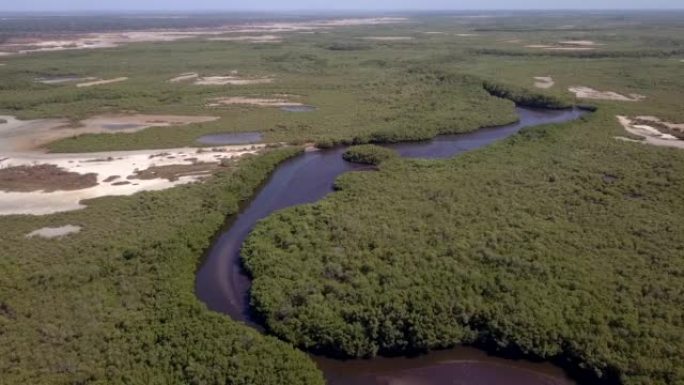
45 177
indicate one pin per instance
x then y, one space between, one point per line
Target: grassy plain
560 242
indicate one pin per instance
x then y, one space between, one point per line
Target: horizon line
355 10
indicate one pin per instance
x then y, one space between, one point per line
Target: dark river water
224 287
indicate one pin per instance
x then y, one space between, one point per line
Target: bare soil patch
52 80
669 128
44 177
543 82
579 43
590 93
567 45
161 169
100 82
231 79
247 101
184 77
97 40
54 232
250 39
650 132
388 38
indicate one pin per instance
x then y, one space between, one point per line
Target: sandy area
22 135
559 48
590 93
118 173
103 81
184 77
650 134
571 49
250 39
261 102
466 34
579 43
538 46
63 79
54 232
674 129
388 38
543 82
232 79
115 39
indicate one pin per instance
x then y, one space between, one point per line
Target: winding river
224 287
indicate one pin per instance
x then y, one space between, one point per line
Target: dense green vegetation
561 243
524 97
368 154
114 304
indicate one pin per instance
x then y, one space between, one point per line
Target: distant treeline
597 54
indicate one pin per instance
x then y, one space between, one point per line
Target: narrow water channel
307 178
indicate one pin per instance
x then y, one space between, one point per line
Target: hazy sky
279 5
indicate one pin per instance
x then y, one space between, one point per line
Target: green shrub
368 154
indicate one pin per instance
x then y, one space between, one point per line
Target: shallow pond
224 287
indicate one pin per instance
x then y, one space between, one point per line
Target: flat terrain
563 242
